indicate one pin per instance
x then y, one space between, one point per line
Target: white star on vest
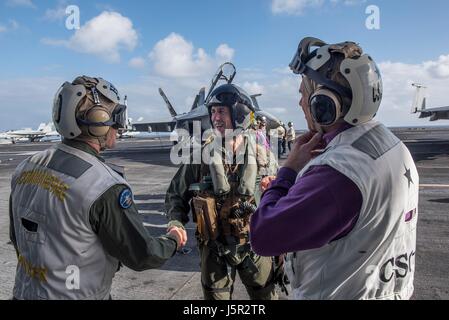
408 175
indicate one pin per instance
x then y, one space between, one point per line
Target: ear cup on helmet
98 115
325 107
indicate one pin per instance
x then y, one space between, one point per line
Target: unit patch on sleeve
126 199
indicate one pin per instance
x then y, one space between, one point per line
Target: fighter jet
419 105
30 134
226 72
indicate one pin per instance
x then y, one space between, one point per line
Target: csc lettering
397 267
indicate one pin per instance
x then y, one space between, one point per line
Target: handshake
179 234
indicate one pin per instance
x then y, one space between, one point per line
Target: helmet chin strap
317 127
99 141
102 142
321 128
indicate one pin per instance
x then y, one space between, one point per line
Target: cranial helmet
237 100
262 119
358 101
88 108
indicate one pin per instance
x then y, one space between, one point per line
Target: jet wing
435 113
439 109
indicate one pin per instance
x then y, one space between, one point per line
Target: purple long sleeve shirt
321 207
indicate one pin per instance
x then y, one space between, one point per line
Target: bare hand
180 235
303 150
265 182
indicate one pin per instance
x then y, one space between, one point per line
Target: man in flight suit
222 196
72 217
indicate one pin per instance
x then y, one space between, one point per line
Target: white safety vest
376 260
60 257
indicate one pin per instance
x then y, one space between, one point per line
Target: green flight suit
219 260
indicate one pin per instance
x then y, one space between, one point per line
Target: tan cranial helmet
343 83
87 108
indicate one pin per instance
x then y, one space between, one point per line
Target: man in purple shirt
344 206
322 206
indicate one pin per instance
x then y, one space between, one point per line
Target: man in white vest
72 217
345 205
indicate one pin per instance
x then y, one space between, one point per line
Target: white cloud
175 57
20 3
253 87
137 63
103 36
298 7
440 68
3 28
225 52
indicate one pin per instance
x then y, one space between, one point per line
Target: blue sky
178 44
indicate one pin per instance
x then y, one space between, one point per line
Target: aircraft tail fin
255 103
202 96
129 121
419 102
199 99
168 103
46 127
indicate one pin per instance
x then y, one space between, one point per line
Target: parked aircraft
419 105
31 135
5 140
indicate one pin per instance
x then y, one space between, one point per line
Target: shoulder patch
126 199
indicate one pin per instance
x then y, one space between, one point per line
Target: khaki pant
218 276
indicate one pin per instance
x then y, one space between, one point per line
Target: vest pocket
29 225
32 226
